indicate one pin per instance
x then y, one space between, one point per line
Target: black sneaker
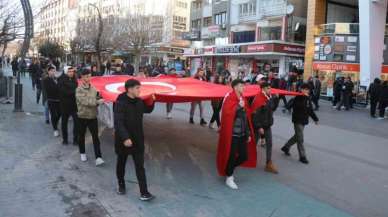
146 197
203 122
304 160
47 122
286 150
191 121
121 189
64 142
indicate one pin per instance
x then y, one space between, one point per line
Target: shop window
270 33
246 36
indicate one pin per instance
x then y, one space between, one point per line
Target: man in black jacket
129 135
67 85
302 109
262 119
374 92
346 94
315 85
383 103
50 85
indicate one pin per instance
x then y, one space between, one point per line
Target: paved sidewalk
347 175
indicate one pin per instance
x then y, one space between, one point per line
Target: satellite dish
290 9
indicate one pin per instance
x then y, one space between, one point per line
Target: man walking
302 109
236 144
67 87
50 85
88 99
262 118
200 76
129 135
346 94
374 92
383 103
315 84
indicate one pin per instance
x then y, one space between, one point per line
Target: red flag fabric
228 112
171 89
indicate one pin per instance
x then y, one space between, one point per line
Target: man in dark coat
15 66
67 86
262 119
374 93
337 86
50 85
129 135
346 94
383 102
315 84
302 109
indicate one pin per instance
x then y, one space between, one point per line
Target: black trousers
92 125
38 94
238 154
315 100
373 106
336 99
284 99
65 119
382 106
345 101
138 160
216 115
297 138
55 113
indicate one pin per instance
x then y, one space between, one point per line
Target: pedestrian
337 86
302 109
283 86
262 119
36 72
315 85
346 94
44 96
374 93
169 105
383 103
199 76
129 135
50 85
15 66
236 145
108 67
67 86
88 100
216 105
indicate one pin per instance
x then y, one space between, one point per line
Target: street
347 174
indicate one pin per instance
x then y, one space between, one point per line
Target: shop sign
254 48
291 49
214 28
188 51
194 35
336 66
208 50
228 49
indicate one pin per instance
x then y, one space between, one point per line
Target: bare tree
138 32
11 24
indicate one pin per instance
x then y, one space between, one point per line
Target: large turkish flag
171 89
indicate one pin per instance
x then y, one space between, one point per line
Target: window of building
207 21
270 33
220 18
247 9
196 24
242 37
181 4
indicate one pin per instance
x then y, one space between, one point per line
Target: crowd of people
242 123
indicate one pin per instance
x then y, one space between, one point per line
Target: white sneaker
380 118
56 133
83 157
169 115
230 182
99 162
211 125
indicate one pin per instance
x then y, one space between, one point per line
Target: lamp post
28 33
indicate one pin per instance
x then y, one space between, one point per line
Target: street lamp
28 33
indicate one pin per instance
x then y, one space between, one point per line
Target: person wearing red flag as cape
236 144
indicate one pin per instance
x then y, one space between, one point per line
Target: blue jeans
46 111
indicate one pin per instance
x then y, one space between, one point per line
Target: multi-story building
347 38
253 35
57 21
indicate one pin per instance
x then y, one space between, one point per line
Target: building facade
347 38
245 36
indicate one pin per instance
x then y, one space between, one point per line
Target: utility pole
28 33
97 44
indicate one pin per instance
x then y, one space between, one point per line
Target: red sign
254 48
280 48
336 66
